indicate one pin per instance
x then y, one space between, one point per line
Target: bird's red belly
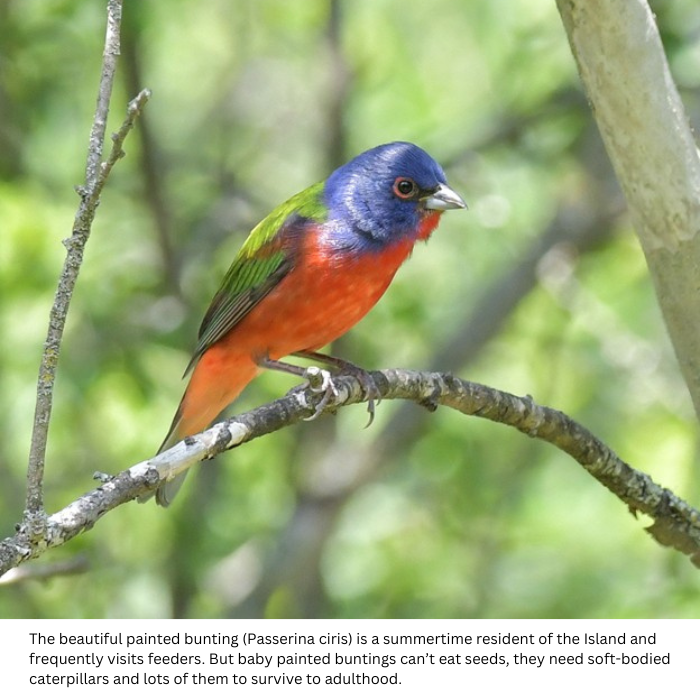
317 302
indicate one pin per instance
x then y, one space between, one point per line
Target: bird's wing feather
265 259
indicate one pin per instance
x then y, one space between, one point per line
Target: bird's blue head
385 193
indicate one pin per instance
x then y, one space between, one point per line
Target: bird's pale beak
444 198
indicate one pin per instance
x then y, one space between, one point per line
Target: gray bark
642 121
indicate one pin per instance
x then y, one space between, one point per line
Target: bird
306 274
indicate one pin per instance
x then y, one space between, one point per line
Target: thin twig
75 246
676 523
96 175
89 195
104 95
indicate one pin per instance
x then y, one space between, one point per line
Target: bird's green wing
264 260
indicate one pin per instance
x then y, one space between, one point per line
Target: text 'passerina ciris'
308 273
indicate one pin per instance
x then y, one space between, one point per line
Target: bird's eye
405 188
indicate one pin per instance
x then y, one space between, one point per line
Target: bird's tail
216 382
167 491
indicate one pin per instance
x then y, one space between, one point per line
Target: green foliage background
540 288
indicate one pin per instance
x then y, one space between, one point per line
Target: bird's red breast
324 296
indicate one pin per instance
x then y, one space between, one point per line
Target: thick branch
676 524
640 115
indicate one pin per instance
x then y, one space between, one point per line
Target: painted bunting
306 274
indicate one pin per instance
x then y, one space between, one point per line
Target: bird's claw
320 381
371 392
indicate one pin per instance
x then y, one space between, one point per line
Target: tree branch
75 245
96 175
104 94
676 524
641 118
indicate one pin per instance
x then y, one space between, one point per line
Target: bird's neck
428 224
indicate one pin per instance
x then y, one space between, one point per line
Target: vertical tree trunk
642 121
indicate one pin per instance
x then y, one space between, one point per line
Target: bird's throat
428 224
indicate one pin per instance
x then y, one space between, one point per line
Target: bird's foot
320 381
370 390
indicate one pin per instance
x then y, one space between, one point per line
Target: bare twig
676 524
104 95
96 174
75 245
57 319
